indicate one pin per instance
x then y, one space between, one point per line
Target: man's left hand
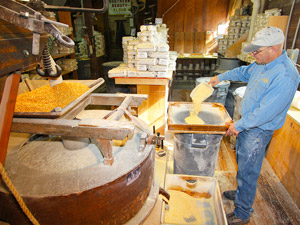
231 130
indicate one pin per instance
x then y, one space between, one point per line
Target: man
272 82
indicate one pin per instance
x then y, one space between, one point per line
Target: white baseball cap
266 37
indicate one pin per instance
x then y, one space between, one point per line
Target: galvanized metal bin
196 147
196 154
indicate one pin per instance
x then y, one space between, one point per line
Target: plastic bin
229 103
220 92
238 95
196 154
110 82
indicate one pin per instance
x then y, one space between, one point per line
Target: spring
47 62
46 59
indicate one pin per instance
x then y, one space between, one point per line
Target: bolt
25 53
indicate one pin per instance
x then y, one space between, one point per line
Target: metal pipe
296 33
288 25
256 6
75 9
169 9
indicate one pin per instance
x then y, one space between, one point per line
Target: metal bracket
143 142
23 16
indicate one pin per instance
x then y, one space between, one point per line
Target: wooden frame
63 123
196 128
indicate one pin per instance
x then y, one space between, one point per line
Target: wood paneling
284 156
199 42
190 16
286 7
273 205
188 41
179 42
200 16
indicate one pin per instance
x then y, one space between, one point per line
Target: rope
17 196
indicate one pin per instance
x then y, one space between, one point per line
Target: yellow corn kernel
46 98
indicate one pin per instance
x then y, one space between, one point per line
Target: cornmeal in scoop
198 95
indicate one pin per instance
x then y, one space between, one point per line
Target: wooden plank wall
284 156
191 21
286 7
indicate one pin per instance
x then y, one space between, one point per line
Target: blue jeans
250 150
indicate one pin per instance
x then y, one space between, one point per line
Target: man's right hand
214 81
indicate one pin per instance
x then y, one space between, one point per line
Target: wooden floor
273 204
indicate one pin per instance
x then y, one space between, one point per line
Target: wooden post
106 149
7 107
65 17
89 25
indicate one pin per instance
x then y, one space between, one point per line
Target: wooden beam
89 34
117 99
7 107
89 128
74 111
121 109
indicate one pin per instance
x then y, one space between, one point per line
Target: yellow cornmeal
46 98
119 143
185 209
199 94
193 120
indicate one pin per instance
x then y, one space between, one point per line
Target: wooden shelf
192 71
57 56
64 72
198 57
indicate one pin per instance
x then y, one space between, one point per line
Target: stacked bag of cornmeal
147 55
83 50
131 52
162 32
172 60
67 64
120 71
99 44
261 21
238 26
66 30
151 60
58 48
125 43
148 33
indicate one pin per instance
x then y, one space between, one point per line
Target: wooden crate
179 110
204 199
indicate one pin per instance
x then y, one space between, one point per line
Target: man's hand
214 81
231 130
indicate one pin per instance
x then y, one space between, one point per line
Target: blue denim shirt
269 93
